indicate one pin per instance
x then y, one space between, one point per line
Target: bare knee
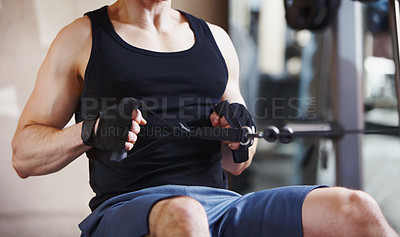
364 213
340 211
183 210
359 208
178 216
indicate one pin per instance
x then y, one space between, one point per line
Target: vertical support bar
347 87
394 19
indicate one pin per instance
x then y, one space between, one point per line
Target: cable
287 134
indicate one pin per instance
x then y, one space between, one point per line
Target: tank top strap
98 16
201 28
97 21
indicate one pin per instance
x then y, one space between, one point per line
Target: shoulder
76 32
226 46
219 34
217 30
72 45
222 39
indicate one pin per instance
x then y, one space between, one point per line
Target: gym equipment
310 14
242 130
377 17
287 134
236 115
366 1
113 128
316 15
394 20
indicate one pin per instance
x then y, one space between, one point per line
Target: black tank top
179 86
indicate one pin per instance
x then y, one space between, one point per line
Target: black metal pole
394 20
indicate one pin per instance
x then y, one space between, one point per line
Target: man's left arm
232 93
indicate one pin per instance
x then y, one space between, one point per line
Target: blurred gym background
287 77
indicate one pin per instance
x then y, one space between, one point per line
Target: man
178 65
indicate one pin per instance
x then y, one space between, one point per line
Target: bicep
225 45
58 86
232 93
53 99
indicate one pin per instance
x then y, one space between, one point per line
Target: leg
126 217
343 212
178 216
273 212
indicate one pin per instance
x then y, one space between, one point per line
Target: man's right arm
41 145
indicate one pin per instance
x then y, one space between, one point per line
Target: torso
175 39
174 80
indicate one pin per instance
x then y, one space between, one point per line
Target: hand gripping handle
129 104
224 109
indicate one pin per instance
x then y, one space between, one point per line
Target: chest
179 38
124 71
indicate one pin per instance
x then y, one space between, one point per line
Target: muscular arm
41 144
232 93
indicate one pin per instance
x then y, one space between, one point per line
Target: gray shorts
272 212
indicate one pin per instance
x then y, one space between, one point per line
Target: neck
151 14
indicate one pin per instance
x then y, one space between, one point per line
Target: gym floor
53 205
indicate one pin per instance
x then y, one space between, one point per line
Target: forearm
40 149
232 167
